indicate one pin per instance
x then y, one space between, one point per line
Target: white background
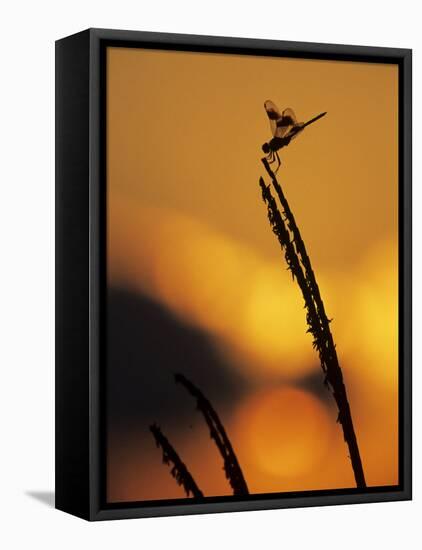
27 36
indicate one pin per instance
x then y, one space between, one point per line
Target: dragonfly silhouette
284 128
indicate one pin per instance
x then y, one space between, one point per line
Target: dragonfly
284 128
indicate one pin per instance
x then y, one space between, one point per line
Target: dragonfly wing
289 113
273 115
286 123
295 130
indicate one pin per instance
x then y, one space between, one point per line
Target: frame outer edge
72 256
407 271
94 271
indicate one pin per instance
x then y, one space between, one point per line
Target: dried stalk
219 436
298 262
179 470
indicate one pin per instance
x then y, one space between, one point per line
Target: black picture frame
80 271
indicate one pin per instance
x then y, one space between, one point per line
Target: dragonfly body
284 128
275 144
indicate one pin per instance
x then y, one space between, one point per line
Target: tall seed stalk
284 226
179 470
219 435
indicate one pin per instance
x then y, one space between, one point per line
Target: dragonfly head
266 148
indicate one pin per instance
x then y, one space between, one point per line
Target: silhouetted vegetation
287 232
219 436
178 470
217 433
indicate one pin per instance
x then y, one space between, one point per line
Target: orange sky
187 227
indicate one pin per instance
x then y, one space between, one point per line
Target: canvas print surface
252 306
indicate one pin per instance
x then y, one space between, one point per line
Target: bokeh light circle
286 431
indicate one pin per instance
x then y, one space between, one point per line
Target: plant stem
217 432
179 470
299 263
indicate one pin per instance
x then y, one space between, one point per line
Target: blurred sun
286 430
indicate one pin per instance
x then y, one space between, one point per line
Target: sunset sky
198 284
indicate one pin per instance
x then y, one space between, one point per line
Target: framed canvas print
233 322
